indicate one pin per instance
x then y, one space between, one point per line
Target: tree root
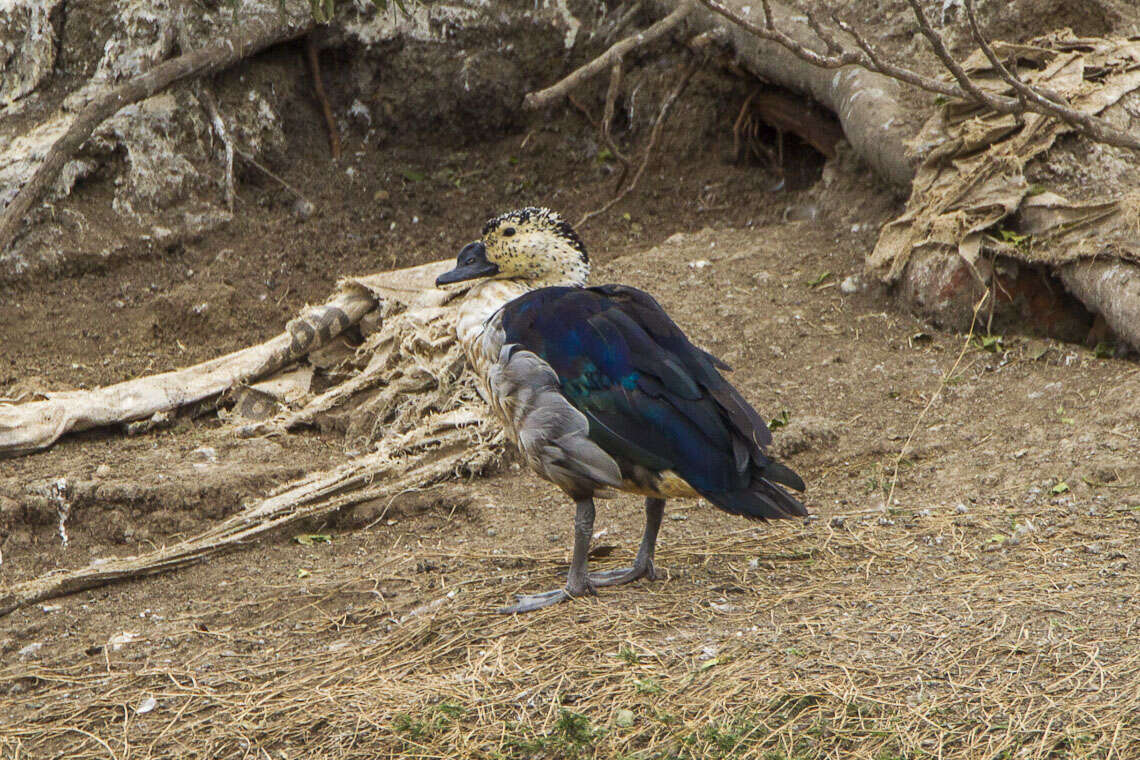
654 137
312 55
799 54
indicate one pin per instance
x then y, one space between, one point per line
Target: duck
602 393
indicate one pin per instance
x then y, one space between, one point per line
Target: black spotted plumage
654 401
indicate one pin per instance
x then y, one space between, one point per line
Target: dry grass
894 636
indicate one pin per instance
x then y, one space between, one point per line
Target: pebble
204 454
850 284
961 509
303 209
103 471
492 532
29 651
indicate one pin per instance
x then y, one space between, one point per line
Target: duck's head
532 245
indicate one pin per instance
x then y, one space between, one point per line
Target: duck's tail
764 498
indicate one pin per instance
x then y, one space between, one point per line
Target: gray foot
624 575
531 602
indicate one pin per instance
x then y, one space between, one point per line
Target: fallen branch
36 425
433 428
867 103
253 34
535 100
370 477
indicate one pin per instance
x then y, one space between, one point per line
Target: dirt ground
965 587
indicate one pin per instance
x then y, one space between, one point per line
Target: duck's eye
508 231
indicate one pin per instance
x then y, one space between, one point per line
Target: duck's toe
622 575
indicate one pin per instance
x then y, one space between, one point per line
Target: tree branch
1028 98
535 100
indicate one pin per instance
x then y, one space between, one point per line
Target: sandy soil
965 588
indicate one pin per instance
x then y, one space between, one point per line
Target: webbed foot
531 602
622 575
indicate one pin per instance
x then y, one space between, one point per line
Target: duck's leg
578 582
643 564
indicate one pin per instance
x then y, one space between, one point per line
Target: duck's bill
468 272
471 264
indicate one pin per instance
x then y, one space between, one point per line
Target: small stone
103 471
303 209
29 651
492 532
850 284
381 195
624 718
678 518
961 509
204 454
838 521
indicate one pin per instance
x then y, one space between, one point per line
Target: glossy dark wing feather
645 309
651 397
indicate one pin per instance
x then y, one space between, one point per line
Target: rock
103 471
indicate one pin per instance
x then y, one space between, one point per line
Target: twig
311 54
654 136
623 22
554 93
616 76
935 396
255 34
211 105
865 57
585 111
265 170
1040 96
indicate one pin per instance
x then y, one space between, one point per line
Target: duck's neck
572 273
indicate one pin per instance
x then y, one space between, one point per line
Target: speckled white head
533 245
